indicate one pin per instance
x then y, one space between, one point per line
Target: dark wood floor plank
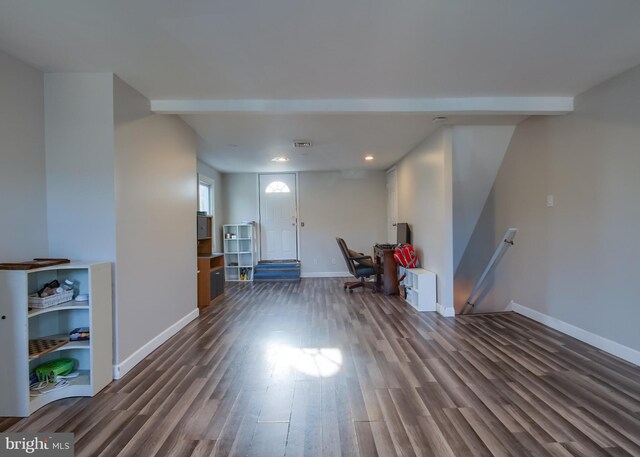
306 369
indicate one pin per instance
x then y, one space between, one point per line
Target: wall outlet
315 261
550 201
333 261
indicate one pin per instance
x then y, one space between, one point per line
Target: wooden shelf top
213 255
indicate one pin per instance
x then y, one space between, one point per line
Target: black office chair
361 266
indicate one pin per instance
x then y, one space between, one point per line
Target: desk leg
390 268
378 263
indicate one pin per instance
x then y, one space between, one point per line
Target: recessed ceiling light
368 157
439 119
302 144
280 159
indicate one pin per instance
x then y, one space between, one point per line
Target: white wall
478 151
156 203
211 173
425 202
240 197
80 165
121 187
349 204
23 206
577 262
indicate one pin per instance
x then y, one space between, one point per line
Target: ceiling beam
440 106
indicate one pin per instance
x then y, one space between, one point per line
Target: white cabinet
420 286
18 324
239 251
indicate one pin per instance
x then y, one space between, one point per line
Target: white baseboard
121 369
617 349
446 312
325 274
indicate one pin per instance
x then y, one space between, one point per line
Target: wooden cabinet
210 279
210 266
93 361
204 227
205 234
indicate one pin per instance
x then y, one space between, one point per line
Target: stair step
276 279
277 271
279 265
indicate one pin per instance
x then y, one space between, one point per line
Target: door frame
386 177
297 209
212 199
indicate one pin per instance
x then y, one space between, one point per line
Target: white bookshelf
239 251
420 286
19 324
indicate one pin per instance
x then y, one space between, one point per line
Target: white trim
617 349
325 274
460 105
446 312
123 368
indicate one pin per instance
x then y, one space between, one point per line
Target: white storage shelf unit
18 325
239 251
420 285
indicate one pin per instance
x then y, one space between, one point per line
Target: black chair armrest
362 257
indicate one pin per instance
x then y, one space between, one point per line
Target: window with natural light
204 197
277 187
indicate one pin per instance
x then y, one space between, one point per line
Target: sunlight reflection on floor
317 362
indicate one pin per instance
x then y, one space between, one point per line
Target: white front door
392 206
278 217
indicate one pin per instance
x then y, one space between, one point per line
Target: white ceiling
328 49
246 142
339 141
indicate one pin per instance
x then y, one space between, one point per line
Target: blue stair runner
277 271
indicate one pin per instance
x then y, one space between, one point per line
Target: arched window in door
277 187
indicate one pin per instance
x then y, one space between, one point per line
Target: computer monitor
403 233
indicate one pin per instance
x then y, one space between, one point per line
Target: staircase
277 271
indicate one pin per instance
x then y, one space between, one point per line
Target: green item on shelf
49 371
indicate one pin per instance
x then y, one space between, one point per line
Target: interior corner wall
576 262
218 200
156 203
424 179
80 165
348 204
23 205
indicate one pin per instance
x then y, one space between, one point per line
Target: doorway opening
278 217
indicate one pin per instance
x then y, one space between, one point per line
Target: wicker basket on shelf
51 300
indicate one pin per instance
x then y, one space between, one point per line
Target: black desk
384 258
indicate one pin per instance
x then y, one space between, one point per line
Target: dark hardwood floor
307 369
